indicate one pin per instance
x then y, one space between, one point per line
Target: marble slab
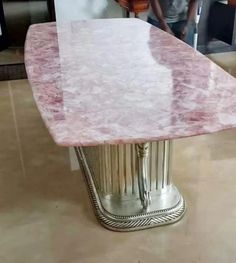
124 81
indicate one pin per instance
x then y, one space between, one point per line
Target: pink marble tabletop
123 81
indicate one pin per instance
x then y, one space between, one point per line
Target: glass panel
15 18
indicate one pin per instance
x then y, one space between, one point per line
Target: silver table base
130 185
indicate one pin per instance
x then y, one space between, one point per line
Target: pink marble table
121 81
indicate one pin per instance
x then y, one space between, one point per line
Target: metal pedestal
130 185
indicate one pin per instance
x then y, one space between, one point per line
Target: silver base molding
130 185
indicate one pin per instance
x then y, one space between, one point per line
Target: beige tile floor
12 56
226 60
46 217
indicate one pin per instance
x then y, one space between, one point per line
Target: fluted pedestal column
130 185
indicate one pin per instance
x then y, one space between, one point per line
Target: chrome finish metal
122 181
144 194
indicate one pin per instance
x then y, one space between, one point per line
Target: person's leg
178 28
153 22
157 24
189 39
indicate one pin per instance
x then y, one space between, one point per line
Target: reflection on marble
124 81
46 216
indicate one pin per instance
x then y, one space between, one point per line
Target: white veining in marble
124 81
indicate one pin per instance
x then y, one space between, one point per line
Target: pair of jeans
177 29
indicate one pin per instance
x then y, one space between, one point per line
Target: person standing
175 17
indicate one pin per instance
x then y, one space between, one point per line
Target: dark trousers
177 28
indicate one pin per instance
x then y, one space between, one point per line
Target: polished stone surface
124 81
45 214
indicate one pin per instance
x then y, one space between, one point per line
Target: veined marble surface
123 81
